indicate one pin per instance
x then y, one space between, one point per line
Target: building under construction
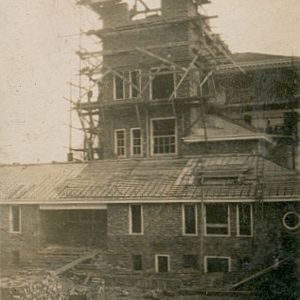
190 178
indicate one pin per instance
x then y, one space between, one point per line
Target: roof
254 56
145 180
254 61
219 129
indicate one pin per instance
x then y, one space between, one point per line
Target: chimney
175 8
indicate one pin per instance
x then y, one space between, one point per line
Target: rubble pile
44 286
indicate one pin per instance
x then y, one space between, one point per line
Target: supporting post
185 74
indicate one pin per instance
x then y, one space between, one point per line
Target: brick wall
163 235
127 119
26 242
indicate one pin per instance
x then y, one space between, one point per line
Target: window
162 263
291 220
190 261
163 136
137 262
135 86
120 142
217 219
162 83
119 86
244 220
189 219
136 142
15 219
214 264
136 219
126 80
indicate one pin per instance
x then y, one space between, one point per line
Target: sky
37 59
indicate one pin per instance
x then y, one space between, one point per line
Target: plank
77 261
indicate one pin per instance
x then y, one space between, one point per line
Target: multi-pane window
214 264
217 219
15 218
127 84
137 262
120 142
136 219
135 82
162 83
119 86
162 263
136 142
189 219
244 220
163 136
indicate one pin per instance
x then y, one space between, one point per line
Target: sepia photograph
149 149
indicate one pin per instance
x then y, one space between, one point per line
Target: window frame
183 219
115 86
238 221
132 144
152 136
116 142
152 74
11 221
221 257
130 220
168 262
139 85
206 225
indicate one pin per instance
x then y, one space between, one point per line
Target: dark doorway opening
76 228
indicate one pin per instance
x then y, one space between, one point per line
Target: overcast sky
37 58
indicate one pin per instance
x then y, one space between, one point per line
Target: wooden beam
145 5
160 58
260 273
77 86
185 74
77 261
205 79
125 79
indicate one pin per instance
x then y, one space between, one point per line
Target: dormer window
216 180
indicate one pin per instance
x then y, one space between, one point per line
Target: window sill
136 234
163 154
217 235
190 234
244 236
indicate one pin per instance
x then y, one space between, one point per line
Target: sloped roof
254 61
218 128
255 56
148 180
